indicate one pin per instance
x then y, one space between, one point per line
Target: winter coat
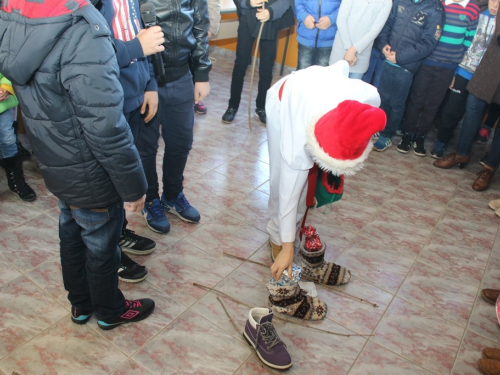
185 26
136 71
413 31
317 8
359 23
485 83
60 59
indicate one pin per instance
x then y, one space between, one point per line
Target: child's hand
256 3
350 56
392 57
151 40
4 94
283 261
263 15
386 50
324 23
309 22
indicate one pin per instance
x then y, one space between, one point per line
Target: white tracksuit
307 95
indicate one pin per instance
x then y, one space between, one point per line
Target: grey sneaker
261 335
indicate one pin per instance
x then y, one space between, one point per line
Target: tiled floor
419 241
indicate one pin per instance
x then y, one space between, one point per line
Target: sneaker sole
107 328
436 157
227 122
402 151
133 281
380 149
419 154
174 212
137 252
80 321
262 359
153 229
200 113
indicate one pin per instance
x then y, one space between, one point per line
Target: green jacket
11 101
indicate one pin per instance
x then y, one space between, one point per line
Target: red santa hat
340 140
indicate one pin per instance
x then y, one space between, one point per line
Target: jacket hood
28 32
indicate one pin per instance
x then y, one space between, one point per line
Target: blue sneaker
382 144
438 150
181 208
155 216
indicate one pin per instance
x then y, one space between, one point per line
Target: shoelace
268 333
133 304
182 201
129 235
157 210
484 174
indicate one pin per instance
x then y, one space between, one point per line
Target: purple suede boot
260 333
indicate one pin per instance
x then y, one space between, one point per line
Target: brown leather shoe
483 179
490 296
491 353
489 366
275 250
450 160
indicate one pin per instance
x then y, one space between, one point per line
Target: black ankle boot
406 142
15 178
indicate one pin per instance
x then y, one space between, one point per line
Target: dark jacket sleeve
201 62
91 81
277 9
127 51
385 35
427 42
152 84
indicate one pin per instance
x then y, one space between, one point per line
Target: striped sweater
457 34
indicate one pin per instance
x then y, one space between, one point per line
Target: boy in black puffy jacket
62 64
410 34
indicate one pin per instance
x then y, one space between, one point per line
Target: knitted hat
340 140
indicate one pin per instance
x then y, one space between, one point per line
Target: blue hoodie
136 72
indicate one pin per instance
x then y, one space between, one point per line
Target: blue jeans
474 111
8 145
90 257
374 71
176 116
394 87
309 56
356 75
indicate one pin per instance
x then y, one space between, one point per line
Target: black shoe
80 316
405 144
482 161
228 117
130 271
134 244
135 311
261 114
25 154
419 148
15 178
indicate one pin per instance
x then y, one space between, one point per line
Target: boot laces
268 333
133 304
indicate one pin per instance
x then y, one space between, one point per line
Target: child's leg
322 56
267 56
474 111
90 257
419 92
8 146
306 56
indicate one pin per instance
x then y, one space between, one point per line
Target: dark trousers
395 83
474 112
493 115
135 121
453 109
493 159
374 71
90 257
176 116
243 58
427 92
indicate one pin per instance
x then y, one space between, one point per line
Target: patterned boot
291 300
314 268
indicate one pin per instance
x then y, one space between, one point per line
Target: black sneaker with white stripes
134 244
130 271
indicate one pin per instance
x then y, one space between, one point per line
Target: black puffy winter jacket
413 31
185 26
60 59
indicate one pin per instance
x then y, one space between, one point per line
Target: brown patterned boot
291 300
316 269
